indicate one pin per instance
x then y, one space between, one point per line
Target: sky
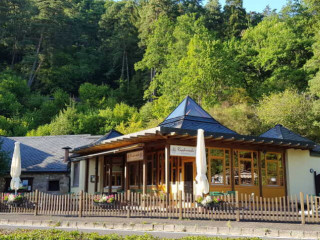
259 5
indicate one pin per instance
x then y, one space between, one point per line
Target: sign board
135 156
183 151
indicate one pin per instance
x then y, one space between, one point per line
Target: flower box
209 202
104 201
13 200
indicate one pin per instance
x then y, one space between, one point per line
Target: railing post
80 203
303 218
36 202
237 207
129 204
180 205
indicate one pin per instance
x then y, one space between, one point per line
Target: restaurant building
279 162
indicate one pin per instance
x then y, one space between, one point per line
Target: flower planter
15 203
103 204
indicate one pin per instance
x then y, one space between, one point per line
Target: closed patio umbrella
15 171
202 186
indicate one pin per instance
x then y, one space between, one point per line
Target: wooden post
303 218
144 173
126 179
285 172
167 172
232 169
260 173
36 202
110 175
180 205
129 199
86 185
80 203
96 174
237 207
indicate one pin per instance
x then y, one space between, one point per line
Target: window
76 174
272 169
161 168
217 171
176 169
117 175
27 184
246 168
219 166
54 185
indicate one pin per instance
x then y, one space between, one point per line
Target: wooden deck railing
234 207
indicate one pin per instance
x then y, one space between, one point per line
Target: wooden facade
246 166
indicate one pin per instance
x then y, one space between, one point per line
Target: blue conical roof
112 134
189 115
280 132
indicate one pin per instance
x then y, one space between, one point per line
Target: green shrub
54 234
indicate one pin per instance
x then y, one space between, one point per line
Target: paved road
172 235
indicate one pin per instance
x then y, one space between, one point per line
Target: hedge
54 234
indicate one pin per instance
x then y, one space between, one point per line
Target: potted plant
104 200
13 199
209 202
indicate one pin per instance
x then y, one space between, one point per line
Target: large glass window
217 171
219 166
272 169
246 167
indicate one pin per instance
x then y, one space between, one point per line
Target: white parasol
15 171
202 186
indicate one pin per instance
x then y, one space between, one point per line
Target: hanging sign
135 156
183 151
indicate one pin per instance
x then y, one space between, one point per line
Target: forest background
89 66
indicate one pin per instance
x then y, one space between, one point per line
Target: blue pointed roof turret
189 115
112 134
280 132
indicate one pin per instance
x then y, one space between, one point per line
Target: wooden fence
234 207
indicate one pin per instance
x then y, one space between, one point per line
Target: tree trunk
128 77
122 67
33 69
13 53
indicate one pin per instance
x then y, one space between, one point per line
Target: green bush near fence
75 235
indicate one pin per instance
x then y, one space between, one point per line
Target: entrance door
188 177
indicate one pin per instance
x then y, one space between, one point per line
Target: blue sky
259 5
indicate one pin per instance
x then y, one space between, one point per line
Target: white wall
299 178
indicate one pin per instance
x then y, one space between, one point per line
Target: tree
273 56
235 19
214 18
93 95
292 110
119 37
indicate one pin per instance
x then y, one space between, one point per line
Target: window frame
279 169
254 166
211 157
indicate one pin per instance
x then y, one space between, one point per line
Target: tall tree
235 19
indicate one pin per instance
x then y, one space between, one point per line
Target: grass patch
55 234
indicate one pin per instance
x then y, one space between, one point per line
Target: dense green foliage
87 66
75 235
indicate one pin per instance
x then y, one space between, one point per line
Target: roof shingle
45 153
189 115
